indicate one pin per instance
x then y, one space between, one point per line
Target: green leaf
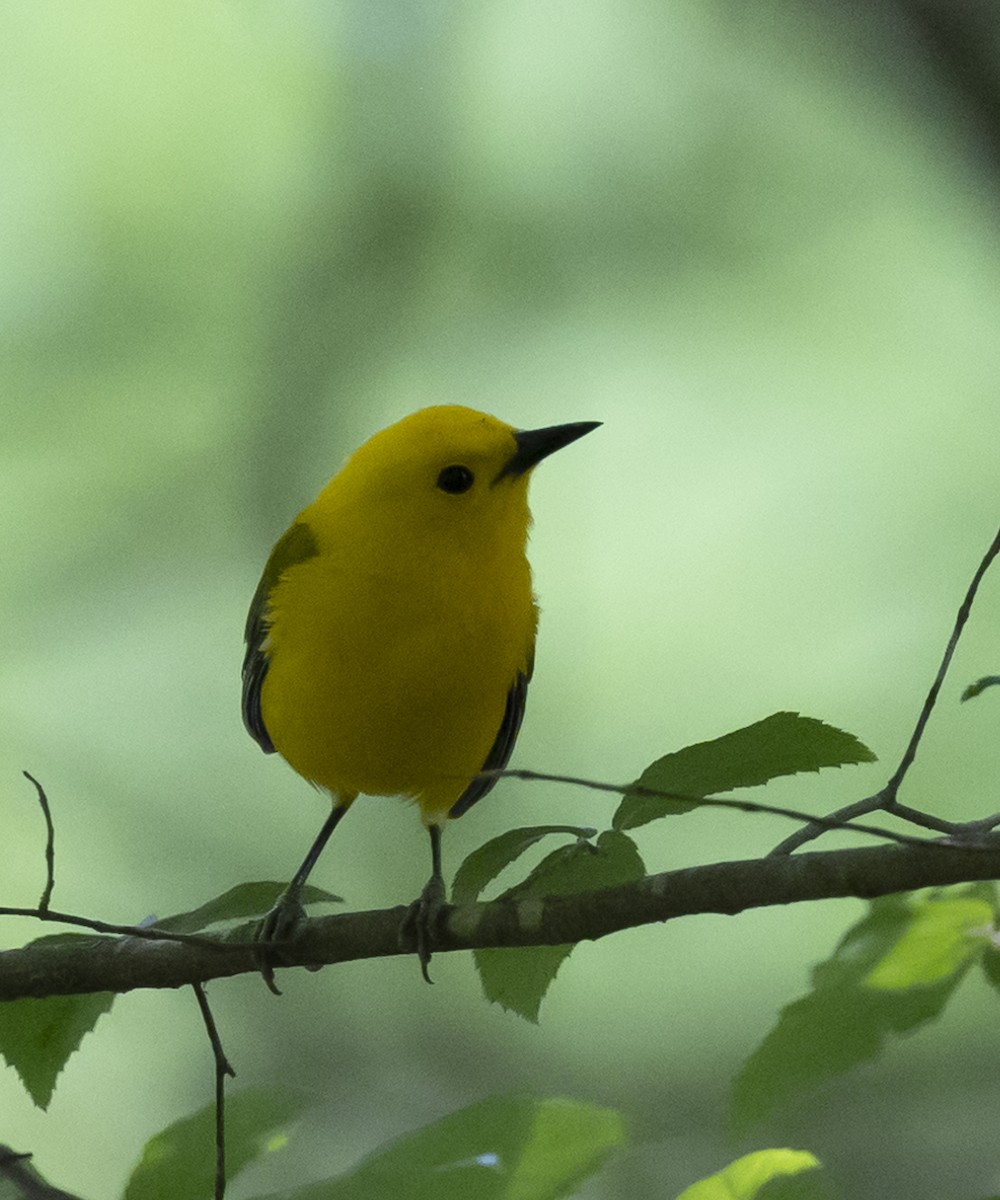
180 1161
980 686
485 863
782 744
37 1037
943 937
745 1178
519 978
891 972
504 1148
240 903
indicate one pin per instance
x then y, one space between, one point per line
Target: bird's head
449 468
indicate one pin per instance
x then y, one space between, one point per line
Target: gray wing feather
501 749
296 546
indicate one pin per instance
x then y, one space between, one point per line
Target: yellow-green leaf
744 1178
942 938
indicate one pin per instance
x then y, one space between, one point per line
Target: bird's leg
423 913
287 911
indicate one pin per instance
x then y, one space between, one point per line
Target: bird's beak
535 444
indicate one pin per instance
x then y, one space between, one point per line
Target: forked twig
834 821
887 798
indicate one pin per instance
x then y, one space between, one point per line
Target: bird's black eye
456 479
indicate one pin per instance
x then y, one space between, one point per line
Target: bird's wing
295 546
501 749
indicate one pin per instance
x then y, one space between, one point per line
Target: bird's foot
417 930
279 925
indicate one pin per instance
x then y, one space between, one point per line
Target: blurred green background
760 243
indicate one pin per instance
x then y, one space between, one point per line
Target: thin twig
979 686
815 826
749 806
892 787
925 820
148 932
223 1067
886 799
957 831
50 844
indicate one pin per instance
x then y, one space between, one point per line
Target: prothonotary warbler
391 638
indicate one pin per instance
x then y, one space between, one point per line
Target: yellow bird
391 638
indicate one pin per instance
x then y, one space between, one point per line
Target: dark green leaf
755 1175
38 1036
782 744
240 903
980 686
504 1148
179 1162
519 978
485 863
893 971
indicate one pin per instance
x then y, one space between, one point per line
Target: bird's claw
279 925
418 927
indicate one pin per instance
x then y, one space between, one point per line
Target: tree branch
104 964
886 799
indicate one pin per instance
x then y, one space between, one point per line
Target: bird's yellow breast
390 657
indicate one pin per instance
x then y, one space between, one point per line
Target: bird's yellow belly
391 696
